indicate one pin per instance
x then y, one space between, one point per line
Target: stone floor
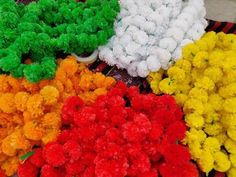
221 10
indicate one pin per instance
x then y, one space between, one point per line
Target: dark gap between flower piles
127 101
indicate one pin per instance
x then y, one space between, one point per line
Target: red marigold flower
70 107
124 133
156 131
2 174
176 154
152 173
54 154
111 168
84 117
27 169
49 171
174 136
37 158
72 149
74 168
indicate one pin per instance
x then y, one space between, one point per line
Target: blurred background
221 10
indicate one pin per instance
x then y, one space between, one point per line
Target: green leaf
26 156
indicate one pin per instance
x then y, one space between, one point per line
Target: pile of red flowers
124 133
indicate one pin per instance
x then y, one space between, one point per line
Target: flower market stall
108 88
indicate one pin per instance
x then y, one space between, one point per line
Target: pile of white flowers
149 34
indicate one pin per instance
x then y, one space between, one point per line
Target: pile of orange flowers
30 113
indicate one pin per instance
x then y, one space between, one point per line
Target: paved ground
221 10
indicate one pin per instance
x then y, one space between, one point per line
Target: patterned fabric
221 26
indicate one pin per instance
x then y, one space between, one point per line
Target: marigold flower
31 113
123 133
208 97
50 95
7 103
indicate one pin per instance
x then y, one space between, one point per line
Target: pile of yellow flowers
30 113
203 82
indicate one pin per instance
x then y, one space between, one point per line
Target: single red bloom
54 154
27 169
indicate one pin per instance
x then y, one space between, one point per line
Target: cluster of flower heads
149 34
123 133
204 83
30 114
42 29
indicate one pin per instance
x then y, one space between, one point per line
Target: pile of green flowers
42 29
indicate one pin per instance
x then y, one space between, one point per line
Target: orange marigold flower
30 114
50 95
69 66
33 131
21 99
29 87
7 103
10 165
35 105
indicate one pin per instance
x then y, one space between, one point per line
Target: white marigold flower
151 33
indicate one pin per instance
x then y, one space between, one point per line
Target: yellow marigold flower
21 99
222 163
232 158
216 57
211 39
205 83
201 60
231 172
50 95
230 146
228 120
202 44
228 91
167 86
214 73
229 105
229 77
35 105
211 116
7 104
212 144
155 76
193 106
155 86
181 98
199 94
194 120
184 64
177 74
214 128
222 137
196 74
206 161
231 132
195 149
215 101
195 135
189 51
